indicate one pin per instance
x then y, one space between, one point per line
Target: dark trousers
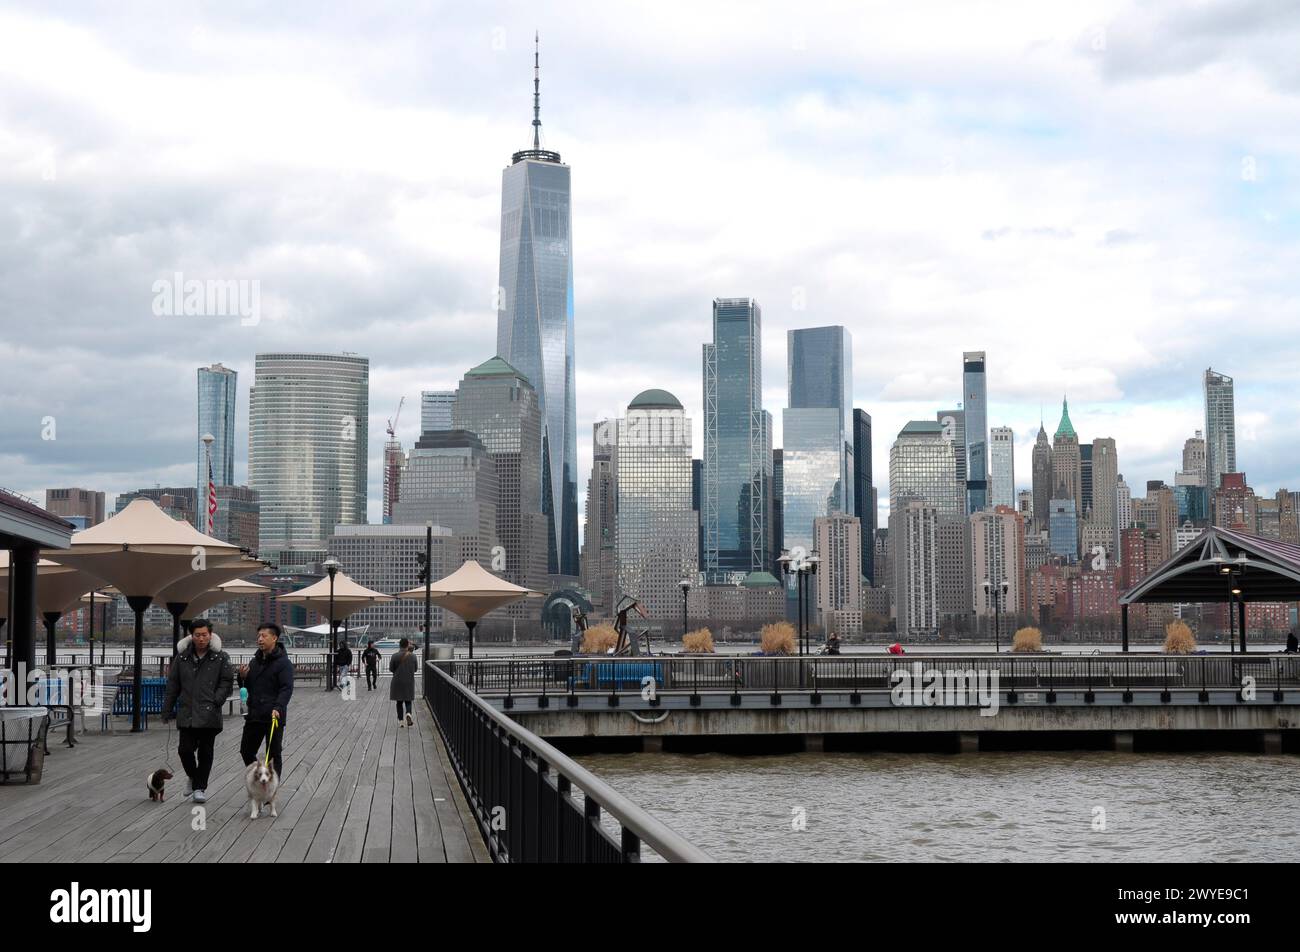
254 736
372 677
196 753
403 708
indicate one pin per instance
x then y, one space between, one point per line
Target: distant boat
383 643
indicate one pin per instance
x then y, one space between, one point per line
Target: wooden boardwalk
356 788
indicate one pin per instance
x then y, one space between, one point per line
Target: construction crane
392 421
392 463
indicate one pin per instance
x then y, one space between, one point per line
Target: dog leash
271 733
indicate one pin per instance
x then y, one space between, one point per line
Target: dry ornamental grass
1027 639
778 638
599 640
1179 638
699 641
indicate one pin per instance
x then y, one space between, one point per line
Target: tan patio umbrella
178 595
225 592
57 590
471 592
93 598
140 551
336 596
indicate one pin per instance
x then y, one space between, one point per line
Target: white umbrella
226 591
178 595
140 551
471 592
57 589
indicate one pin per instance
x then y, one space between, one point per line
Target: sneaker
189 786
401 722
200 796
410 721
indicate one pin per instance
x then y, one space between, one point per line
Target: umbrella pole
51 619
470 625
138 605
176 608
90 638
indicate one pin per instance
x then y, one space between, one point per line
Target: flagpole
210 497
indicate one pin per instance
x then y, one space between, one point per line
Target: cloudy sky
1102 196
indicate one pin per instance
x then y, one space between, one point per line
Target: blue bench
151 699
617 674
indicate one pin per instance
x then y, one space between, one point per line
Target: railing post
1204 696
563 798
590 828
631 849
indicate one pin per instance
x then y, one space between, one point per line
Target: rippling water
1019 806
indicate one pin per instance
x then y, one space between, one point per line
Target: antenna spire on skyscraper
537 91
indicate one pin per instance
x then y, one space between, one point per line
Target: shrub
778 638
1179 638
1027 639
699 641
599 639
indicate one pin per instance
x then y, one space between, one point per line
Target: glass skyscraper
535 324
817 455
308 436
864 493
977 434
499 405
921 466
217 392
1220 429
656 536
737 445
435 410
1002 466
450 480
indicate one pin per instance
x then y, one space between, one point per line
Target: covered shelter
471 592
1221 565
25 529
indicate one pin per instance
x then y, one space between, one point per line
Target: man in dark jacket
402 690
343 664
371 658
269 679
200 681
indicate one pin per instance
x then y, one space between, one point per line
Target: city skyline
1154 337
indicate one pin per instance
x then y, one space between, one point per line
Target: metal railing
743 674
533 803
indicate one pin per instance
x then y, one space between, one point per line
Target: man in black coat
343 664
199 682
269 679
371 658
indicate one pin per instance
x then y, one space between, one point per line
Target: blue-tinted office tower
217 390
535 322
737 446
977 430
817 450
864 502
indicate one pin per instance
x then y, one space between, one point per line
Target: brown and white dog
262 783
155 782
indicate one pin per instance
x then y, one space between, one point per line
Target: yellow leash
267 759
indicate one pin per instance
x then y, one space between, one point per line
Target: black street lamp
686 587
332 567
809 570
999 591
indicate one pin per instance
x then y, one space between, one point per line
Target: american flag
212 496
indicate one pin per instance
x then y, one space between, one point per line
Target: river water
1021 806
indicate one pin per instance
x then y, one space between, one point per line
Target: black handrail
520 789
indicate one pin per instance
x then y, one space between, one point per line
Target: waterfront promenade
356 788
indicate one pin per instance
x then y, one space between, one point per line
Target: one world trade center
535 321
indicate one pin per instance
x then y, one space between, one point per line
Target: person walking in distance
199 682
343 665
402 690
371 658
269 679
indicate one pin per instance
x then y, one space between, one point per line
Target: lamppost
786 561
426 576
999 590
686 587
809 569
1233 572
332 567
